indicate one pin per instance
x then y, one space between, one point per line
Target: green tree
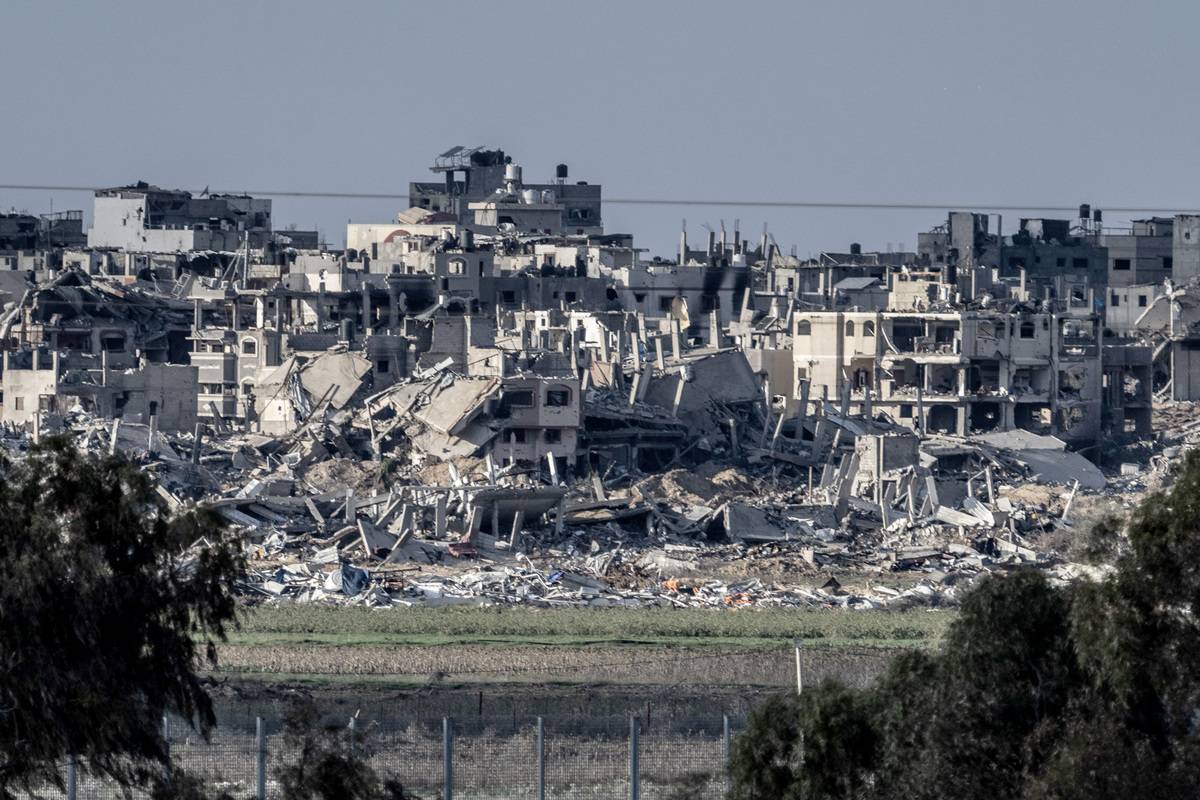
1039 691
1138 632
1005 677
820 745
331 761
107 603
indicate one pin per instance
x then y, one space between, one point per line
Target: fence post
447 759
72 778
728 750
166 734
260 742
634 789
541 760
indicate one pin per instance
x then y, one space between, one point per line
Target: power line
648 201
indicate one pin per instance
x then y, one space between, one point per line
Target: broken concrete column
803 412
197 437
474 523
762 440
517 524
679 386
676 344
393 308
714 331
747 312
658 353
560 514
197 315
778 430
366 310
439 516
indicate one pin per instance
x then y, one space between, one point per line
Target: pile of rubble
385 500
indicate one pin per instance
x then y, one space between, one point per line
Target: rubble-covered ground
329 525
766 538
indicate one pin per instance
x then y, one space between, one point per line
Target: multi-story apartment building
958 372
145 218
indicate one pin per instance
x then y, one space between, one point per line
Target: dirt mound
728 479
342 473
709 484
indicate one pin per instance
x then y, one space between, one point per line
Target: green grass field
508 626
339 645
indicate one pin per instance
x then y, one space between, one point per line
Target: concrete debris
490 400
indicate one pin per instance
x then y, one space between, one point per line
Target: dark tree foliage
1006 676
1039 691
104 615
823 745
331 761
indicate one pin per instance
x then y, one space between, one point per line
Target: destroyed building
488 399
1052 257
484 187
141 217
958 372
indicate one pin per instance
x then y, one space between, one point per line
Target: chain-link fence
475 758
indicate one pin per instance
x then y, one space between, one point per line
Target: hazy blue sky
941 101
